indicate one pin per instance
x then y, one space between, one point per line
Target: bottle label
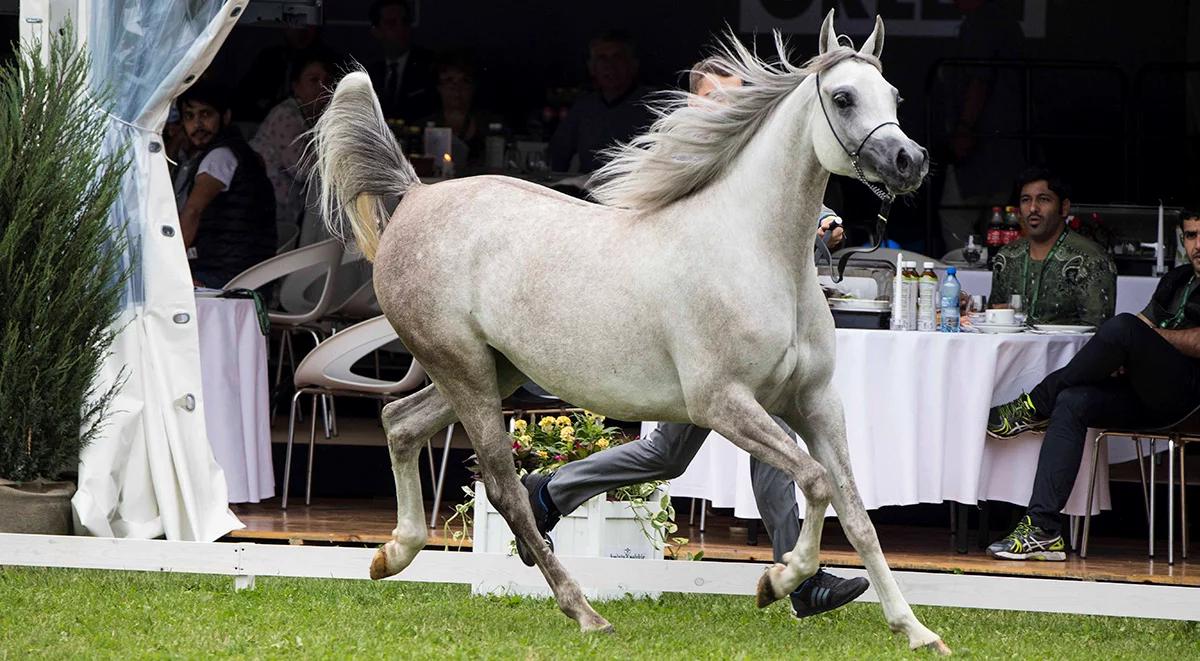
927 304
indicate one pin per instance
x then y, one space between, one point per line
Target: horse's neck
779 183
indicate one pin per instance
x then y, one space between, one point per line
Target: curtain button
168 231
181 318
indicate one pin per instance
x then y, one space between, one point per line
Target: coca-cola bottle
1012 227
995 234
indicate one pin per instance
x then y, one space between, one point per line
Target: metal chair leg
1183 522
703 510
1137 445
312 448
1087 514
1153 458
287 462
440 481
692 514
1171 500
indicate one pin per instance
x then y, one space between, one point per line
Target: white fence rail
246 561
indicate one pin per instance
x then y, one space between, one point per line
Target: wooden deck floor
370 521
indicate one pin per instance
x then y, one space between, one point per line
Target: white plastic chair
325 371
324 258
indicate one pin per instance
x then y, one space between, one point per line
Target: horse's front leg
824 431
742 420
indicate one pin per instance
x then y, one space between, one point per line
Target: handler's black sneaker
545 514
1015 417
1029 542
824 592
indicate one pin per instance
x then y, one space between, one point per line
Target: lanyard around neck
1178 316
1037 290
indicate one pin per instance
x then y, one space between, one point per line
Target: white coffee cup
1002 317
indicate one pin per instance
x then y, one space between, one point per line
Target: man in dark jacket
1138 371
226 203
403 79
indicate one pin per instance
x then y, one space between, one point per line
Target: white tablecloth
1133 291
916 406
233 368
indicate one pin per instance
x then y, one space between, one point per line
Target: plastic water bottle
949 301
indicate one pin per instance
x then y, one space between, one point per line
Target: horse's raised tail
357 163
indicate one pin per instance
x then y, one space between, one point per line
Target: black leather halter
885 198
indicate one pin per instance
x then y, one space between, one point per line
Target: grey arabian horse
689 296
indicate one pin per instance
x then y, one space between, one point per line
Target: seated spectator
456 107
403 79
226 206
279 138
1062 277
1137 371
615 112
270 76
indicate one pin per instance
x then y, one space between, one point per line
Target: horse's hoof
939 648
379 566
600 626
765 595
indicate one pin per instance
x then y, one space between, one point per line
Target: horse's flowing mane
694 139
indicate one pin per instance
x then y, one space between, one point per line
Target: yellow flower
567 432
542 454
545 423
520 426
563 421
602 443
525 440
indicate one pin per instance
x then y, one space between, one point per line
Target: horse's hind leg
743 421
467 377
824 430
408 423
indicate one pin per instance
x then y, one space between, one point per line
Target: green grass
58 613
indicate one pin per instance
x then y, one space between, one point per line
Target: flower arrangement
555 441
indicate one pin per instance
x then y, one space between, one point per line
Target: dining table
916 407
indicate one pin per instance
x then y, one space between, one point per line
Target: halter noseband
885 198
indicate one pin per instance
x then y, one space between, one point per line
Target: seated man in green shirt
1137 371
1062 277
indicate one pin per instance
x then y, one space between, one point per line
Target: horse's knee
816 487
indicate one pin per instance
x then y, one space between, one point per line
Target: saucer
997 329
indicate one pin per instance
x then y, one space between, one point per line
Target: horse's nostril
903 161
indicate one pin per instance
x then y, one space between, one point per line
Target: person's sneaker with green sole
1029 542
1015 417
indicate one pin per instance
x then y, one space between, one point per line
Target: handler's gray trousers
664 455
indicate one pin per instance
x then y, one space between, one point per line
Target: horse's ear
828 38
874 43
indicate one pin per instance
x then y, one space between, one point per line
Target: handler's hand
839 234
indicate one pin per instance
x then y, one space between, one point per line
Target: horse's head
855 132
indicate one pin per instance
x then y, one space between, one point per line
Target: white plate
859 304
1064 328
999 328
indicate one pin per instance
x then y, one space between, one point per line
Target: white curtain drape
151 472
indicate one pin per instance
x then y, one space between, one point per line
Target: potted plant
61 277
631 522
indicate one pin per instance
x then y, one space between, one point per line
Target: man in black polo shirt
1138 371
226 202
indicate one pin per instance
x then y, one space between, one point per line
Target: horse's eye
842 100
